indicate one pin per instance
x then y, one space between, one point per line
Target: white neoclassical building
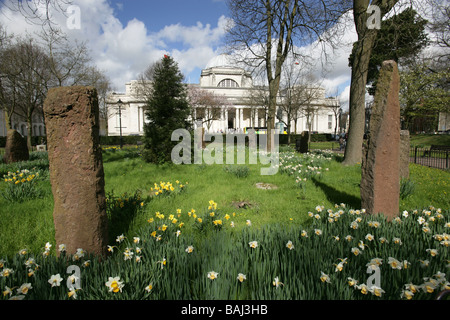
239 104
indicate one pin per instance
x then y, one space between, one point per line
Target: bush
238 171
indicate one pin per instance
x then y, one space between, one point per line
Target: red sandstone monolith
76 169
380 172
16 148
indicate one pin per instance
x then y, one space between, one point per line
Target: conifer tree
167 110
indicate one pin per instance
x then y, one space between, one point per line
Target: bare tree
25 76
258 100
39 12
298 91
440 26
206 105
266 31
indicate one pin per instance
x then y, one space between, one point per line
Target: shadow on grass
335 196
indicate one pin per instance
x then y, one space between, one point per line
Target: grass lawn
426 140
297 235
29 224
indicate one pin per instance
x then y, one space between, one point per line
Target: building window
330 121
228 83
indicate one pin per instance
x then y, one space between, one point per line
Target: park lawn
30 224
426 140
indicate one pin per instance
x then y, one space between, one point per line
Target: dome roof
223 60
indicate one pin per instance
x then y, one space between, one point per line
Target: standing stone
76 169
16 148
380 178
302 143
404 154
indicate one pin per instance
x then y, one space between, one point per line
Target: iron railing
434 157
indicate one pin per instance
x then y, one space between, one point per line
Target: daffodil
55 280
212 275
407 294
394 263
120 238
163 262
149 287
24 288
114 284
276 282
363 288
324 277
376 291
352 282
432 252
72 293
289 245
7 291
189 249
6 272
356 251
241 277
369 237
428 287
411 287
253 244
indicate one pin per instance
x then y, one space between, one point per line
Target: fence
430 157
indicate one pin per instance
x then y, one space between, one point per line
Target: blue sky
158 14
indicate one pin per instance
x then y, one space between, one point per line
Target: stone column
225 116
241 119
380 178
76 169
256 124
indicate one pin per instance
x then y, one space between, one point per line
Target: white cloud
124 51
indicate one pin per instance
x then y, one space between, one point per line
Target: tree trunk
8 120
366 39
30 132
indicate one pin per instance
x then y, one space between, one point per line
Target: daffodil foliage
340 253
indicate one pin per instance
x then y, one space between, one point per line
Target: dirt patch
266 186
241 204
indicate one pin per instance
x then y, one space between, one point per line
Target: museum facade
239 104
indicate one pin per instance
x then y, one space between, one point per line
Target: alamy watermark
182 153
374 20
73 21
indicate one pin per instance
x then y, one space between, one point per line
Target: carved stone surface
16 148
380 178
76 169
